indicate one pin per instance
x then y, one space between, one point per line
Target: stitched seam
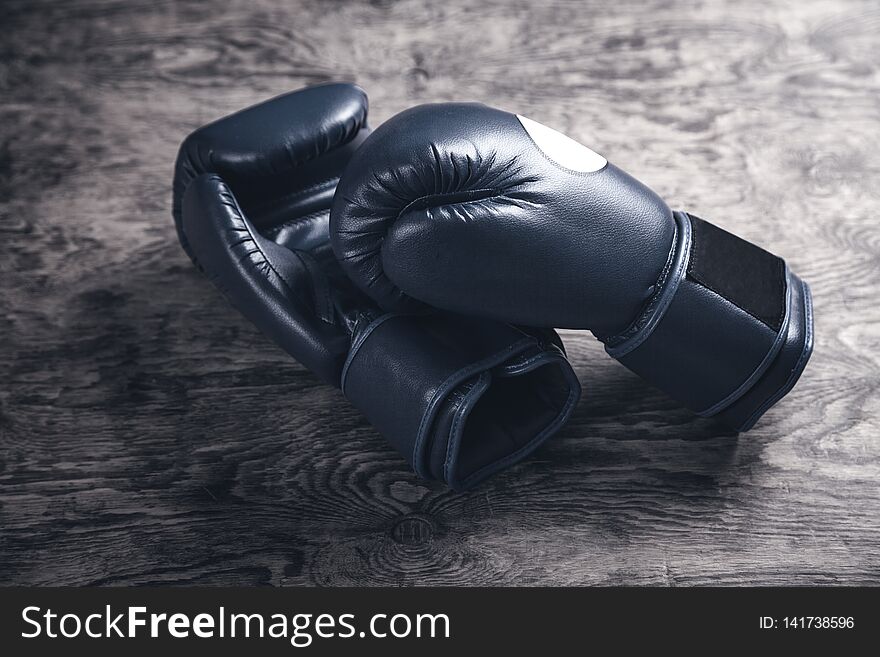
517 368
652 319
483 194
648 309
462 412
798 368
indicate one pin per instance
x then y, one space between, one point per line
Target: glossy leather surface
454 206
251 204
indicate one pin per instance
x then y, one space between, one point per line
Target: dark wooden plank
148 434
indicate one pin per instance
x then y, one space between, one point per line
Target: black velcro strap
746 275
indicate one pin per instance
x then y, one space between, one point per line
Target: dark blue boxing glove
471 209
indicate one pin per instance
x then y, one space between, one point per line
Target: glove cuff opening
460 398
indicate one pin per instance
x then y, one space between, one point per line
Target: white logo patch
565 151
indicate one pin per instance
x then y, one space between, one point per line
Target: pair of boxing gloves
423 267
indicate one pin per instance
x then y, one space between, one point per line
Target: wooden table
149 434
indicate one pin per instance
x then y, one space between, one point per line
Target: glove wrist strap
727 332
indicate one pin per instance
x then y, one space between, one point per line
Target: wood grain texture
149 434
